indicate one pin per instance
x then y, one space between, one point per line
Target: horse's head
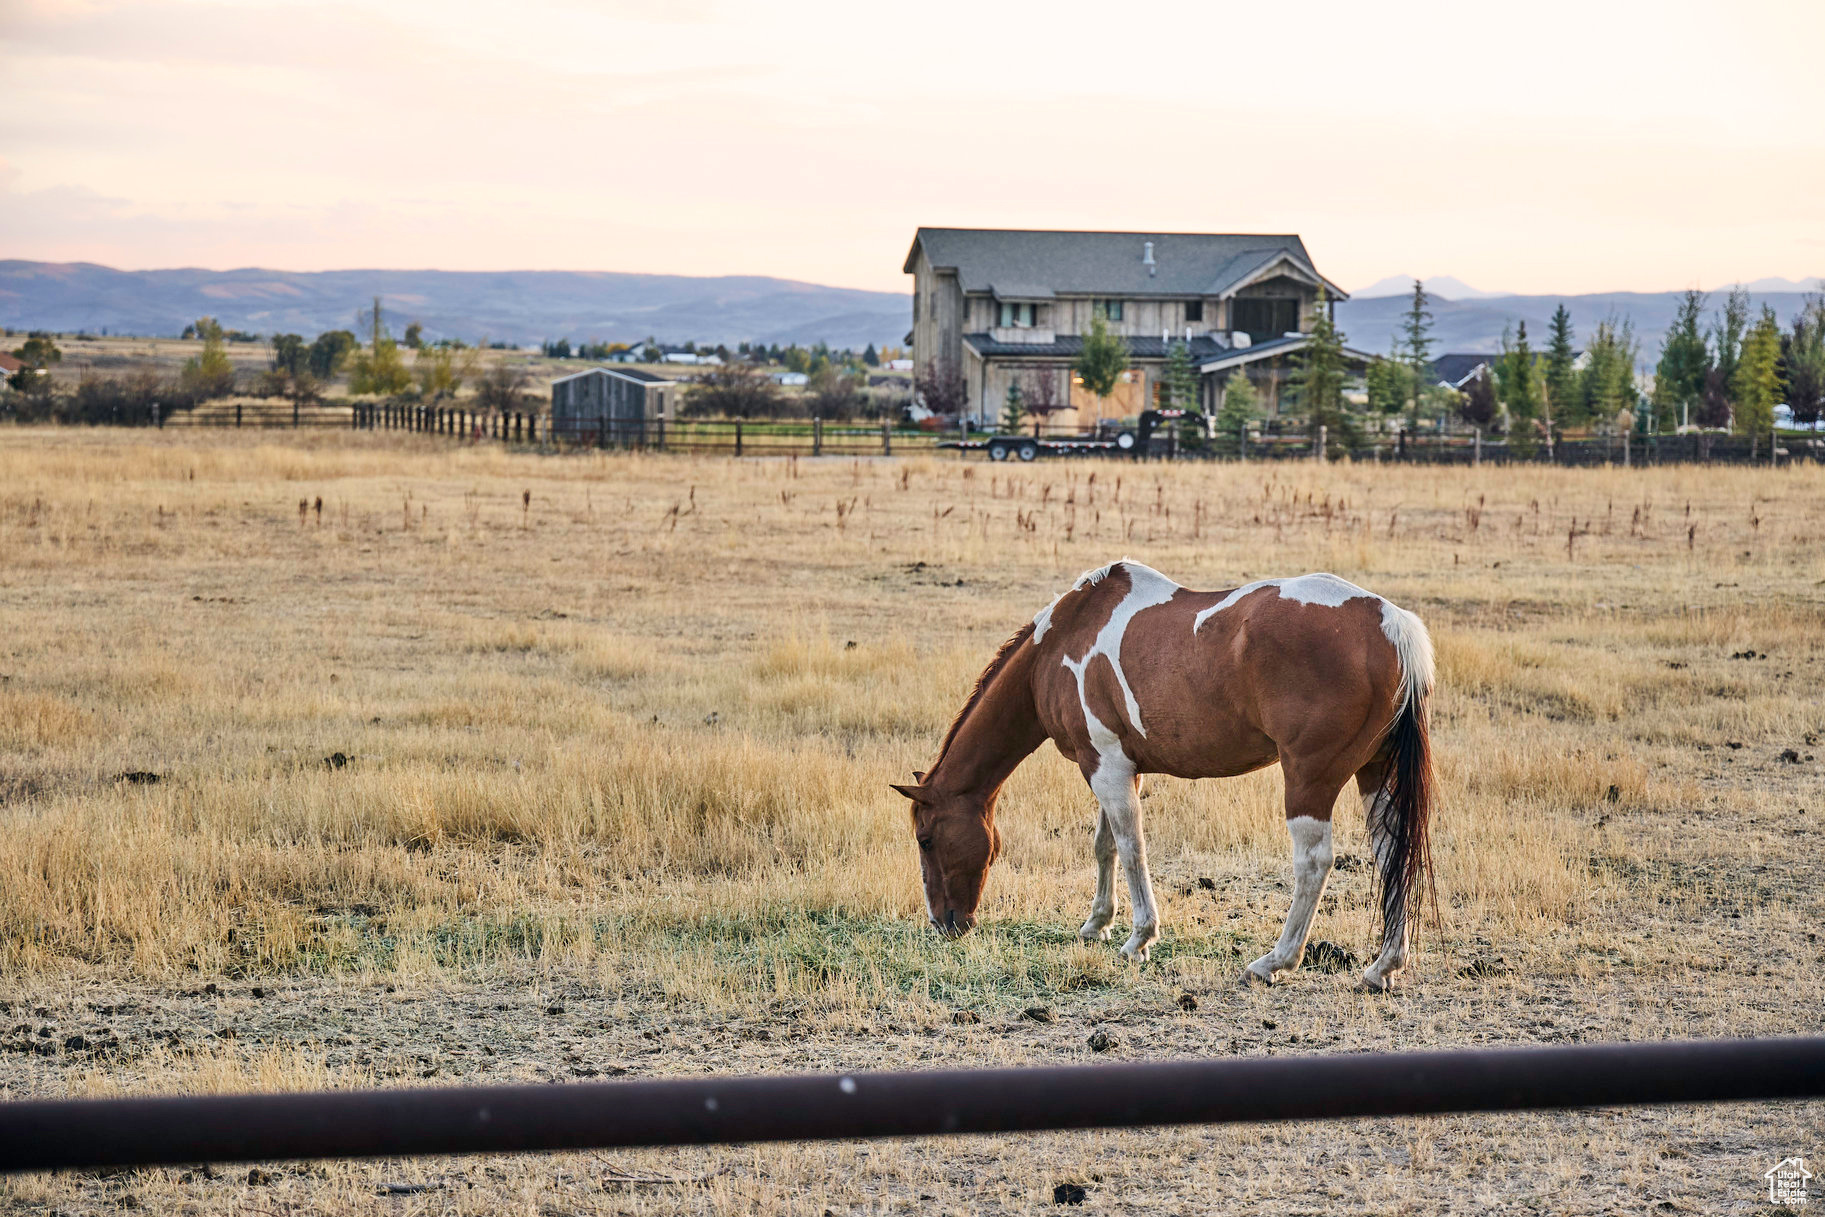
957 842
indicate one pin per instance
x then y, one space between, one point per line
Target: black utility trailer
1030 447
1124 441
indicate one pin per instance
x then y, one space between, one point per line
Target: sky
1565 147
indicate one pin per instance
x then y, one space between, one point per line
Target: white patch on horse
1146 588
1322 589
1042 620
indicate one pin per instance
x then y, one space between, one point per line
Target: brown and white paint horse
1128 673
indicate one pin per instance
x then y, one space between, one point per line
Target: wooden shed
610 405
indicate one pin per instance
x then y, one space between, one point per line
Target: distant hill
1475 326
507 306
1438 285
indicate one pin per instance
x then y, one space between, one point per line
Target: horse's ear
918 775
917 794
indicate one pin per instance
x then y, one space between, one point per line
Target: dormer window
1016 315
1108 310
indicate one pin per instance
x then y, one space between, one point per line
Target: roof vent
1147 259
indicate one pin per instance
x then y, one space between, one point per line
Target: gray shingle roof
1454 370
1106 263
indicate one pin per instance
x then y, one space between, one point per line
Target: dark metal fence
59 1134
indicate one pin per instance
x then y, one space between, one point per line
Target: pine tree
1416 332
1517 381
1240 406
1317 380
1727 336
1562 398
1679 377
1756 385
1013 409
1179 382
871 357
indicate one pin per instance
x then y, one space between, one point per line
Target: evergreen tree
1013 409
1241 404
1803 363
1756 386
1563 402
871 357
1179 384
1727 336
1608 382
1517 383
1679 377
1317 379
1416 346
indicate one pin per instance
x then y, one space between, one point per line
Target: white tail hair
1414 647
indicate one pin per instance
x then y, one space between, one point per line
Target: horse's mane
982 683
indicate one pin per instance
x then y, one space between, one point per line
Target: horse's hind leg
1102 908
1308 822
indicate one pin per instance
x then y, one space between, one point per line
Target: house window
1019 315
1108 310
1263 319
1194 310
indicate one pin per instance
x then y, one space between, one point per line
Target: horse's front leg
1102 908
1118 790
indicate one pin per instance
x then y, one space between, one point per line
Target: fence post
817 437
1476 450
1242 440
1403 443
1324 432
738 437
659 429
294 412
237 414
886 438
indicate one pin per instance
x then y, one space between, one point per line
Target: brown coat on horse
1128 673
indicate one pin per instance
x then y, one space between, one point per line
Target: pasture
359 759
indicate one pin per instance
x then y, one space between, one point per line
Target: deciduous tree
1102 360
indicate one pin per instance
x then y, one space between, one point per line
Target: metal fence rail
81 1133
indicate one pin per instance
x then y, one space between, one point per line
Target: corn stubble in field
343 760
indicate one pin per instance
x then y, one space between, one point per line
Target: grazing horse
1128 673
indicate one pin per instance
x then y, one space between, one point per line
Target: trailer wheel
1026 449
1125 441
998 450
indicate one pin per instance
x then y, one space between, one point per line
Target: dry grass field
484 767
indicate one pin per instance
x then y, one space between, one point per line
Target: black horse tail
1405 876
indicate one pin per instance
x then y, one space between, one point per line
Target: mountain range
505 306
525 307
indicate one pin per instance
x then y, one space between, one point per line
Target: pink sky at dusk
1563 147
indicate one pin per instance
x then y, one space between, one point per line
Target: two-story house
997 307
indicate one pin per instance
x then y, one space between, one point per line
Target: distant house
899 365
790 379
1459 371
1005 307
10 365
611 401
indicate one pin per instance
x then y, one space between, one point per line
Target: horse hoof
1367 985
1251 979
1087 934
1136 953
